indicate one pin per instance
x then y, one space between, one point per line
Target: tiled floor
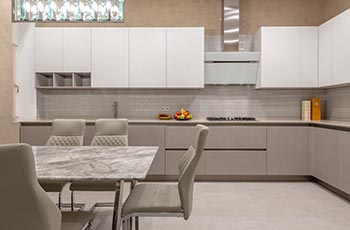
247 206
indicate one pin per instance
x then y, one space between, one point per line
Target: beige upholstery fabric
188 166
111 132
24 204
67 132
160 198
153 198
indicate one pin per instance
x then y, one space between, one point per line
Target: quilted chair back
111 132
187 168
67 132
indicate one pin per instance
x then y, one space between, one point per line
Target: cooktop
231 118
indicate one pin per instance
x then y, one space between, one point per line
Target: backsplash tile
210 101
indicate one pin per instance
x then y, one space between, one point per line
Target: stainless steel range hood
230 25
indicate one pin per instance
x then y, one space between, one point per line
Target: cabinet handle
17 88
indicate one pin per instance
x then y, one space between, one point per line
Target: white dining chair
24 204
165 199
109 132
65 132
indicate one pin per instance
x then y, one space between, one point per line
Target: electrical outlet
165 109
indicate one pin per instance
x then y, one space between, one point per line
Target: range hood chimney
230 25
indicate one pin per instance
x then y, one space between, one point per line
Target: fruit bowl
183 115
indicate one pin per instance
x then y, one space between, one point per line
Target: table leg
117 211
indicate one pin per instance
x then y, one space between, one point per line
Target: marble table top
93 162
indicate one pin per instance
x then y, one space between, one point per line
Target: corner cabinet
289 57
334 51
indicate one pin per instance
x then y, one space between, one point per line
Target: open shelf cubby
63 80
44 80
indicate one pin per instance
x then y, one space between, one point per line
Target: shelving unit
63 80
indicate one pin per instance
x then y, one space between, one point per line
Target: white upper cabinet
341 48
147 57
279 57
288 57
185 57
308 57
110 57
325 54
48 50
76 49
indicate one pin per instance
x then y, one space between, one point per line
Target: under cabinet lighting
68 10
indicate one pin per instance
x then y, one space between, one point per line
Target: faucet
115 106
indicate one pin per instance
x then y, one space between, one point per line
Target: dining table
120 164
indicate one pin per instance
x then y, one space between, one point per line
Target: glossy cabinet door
344 162
147 60
341 48
325 54
325 155
185 57
110 57
279 57
35 135
173 158
48 49
77 50
287 151
140 135
308 56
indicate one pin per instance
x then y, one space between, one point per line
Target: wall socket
165 108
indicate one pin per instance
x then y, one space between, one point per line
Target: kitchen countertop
259 122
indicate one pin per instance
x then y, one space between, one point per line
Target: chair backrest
66 132
24 204
111 132
187 168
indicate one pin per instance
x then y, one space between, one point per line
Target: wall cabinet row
334 51
124 57
289 57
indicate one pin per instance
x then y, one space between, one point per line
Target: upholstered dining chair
65 132
24 204
164 199
108 132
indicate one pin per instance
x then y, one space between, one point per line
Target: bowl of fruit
182 115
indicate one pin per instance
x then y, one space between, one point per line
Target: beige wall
8 131
257 13
159 13
334 7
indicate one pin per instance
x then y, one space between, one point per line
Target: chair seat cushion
75 220
53 185
94 185
153 198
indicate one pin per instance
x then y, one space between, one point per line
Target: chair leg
130 223
137 223
72 201
60 200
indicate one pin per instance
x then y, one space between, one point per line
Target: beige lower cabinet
344 162
287 151
173 158
140 135
35 135
231 162
325 155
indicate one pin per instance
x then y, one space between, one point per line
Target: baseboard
332 189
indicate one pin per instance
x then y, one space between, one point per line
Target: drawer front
219 137
150 136
172 161
235 162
